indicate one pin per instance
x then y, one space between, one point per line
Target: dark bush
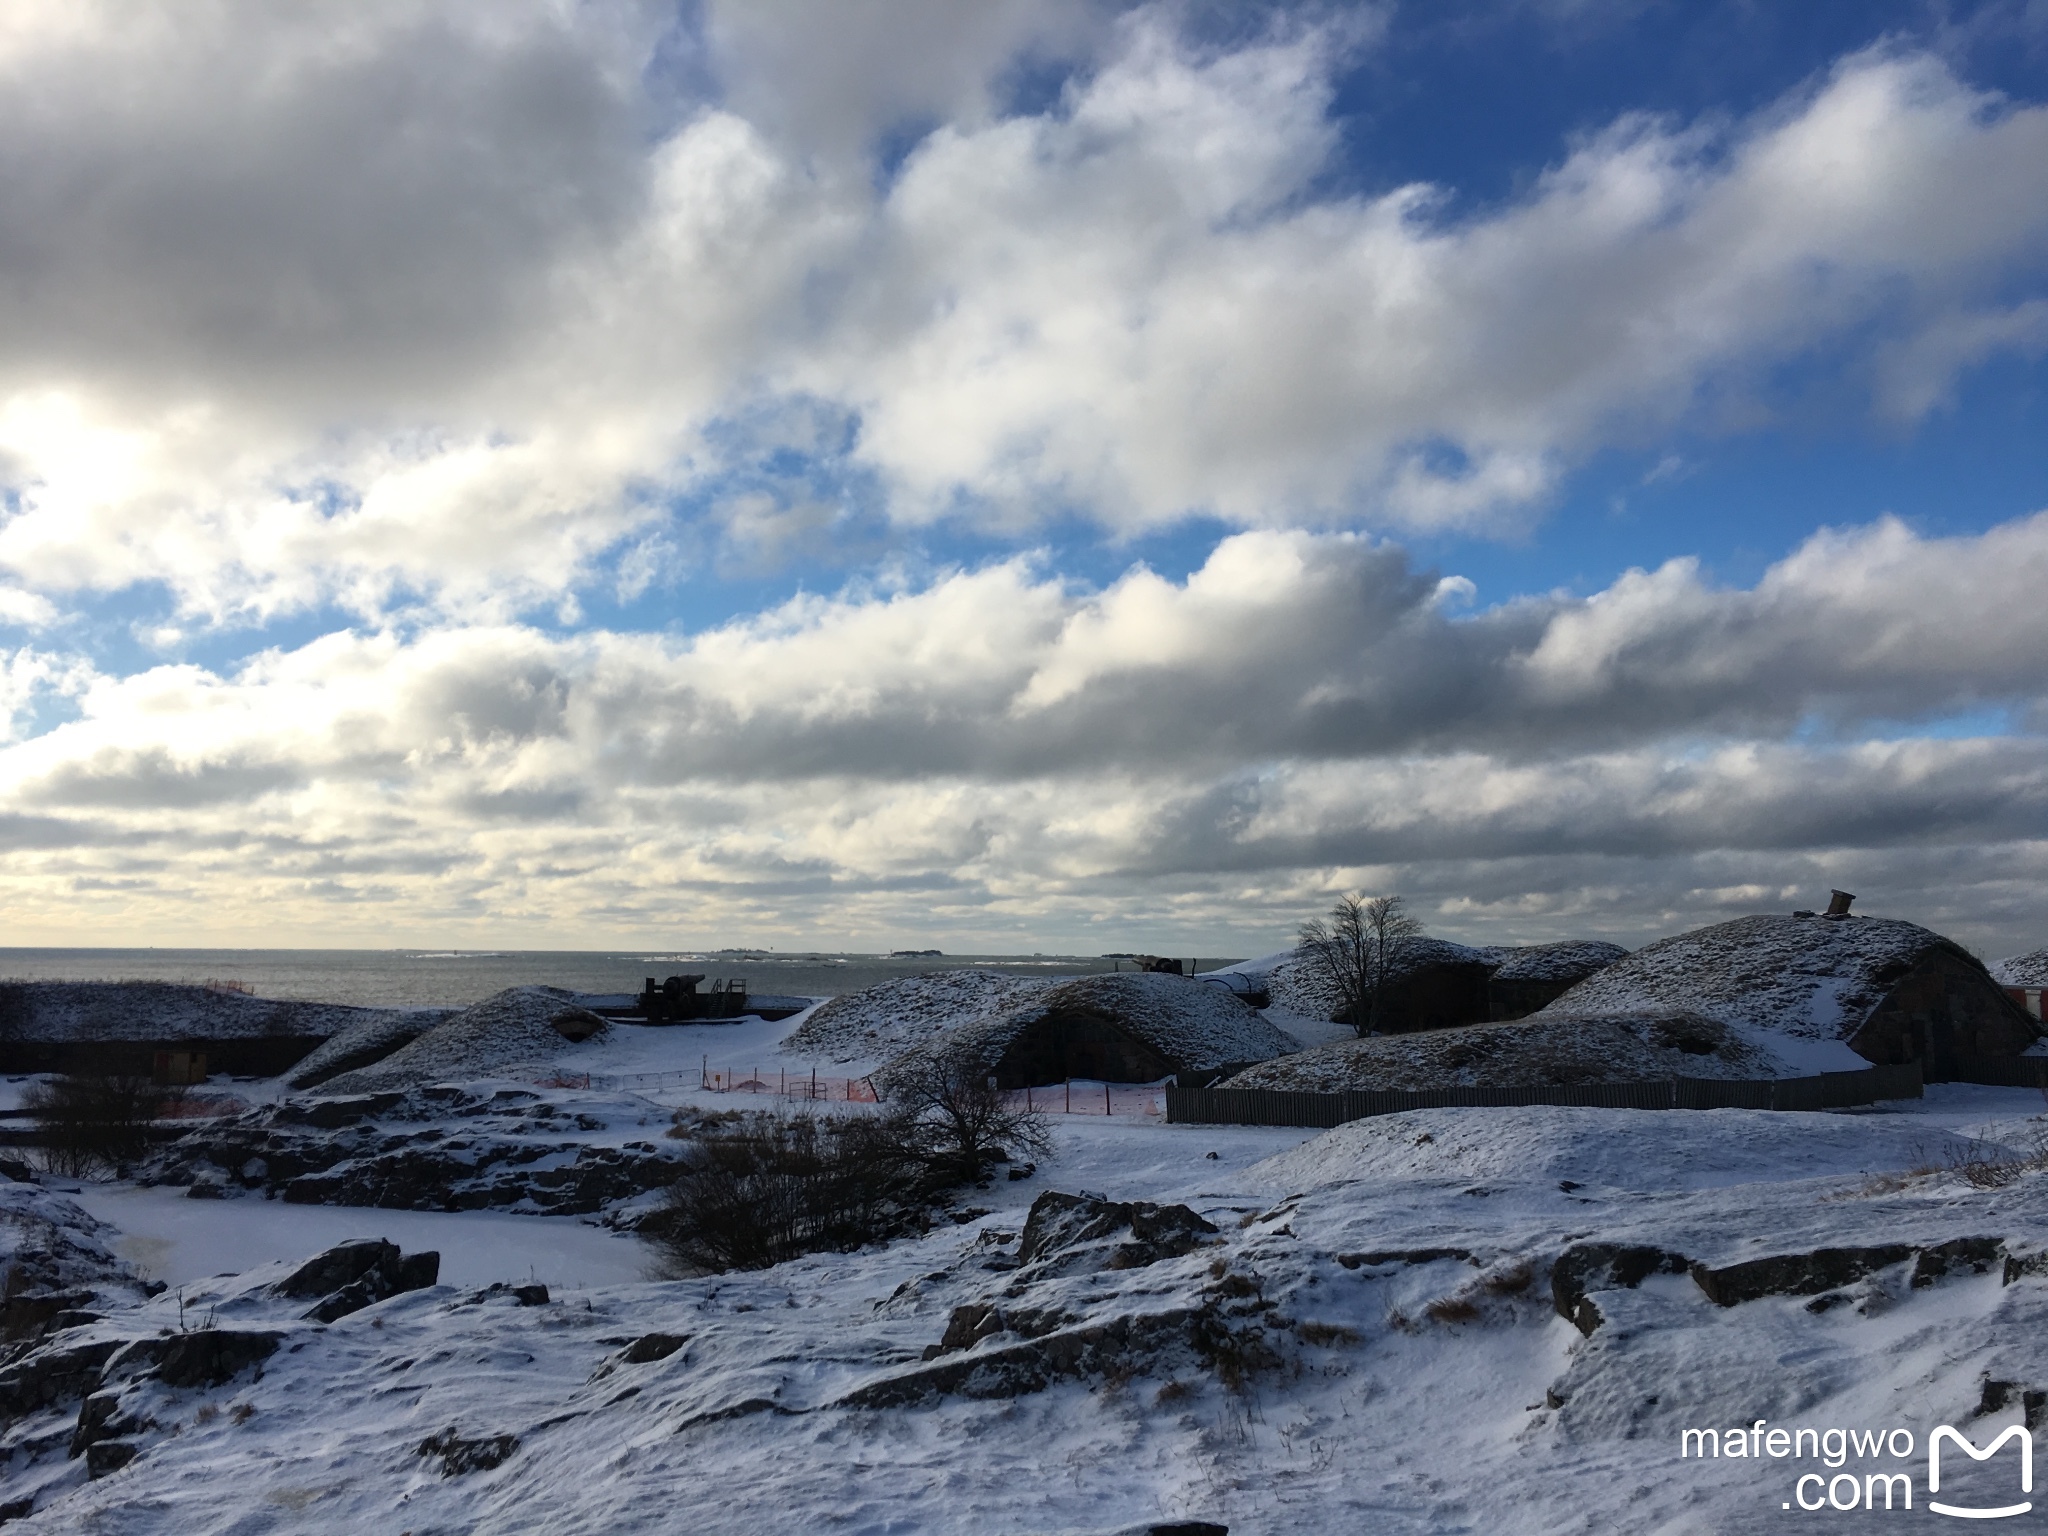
88 1123
958 1123
763 1188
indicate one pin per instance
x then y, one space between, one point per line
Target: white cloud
1000 753
440 311
438 303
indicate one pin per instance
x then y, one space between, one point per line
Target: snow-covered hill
1546 1048
1476 1320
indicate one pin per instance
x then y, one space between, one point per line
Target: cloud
453 306
998 749
446 315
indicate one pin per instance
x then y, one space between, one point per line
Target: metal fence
1268 1106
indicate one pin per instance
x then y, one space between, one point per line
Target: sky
1034 475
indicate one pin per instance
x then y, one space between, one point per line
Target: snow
374 1037
1608 1148
50 1243
1544 1048
1375 1414
1371 1412
1806 976
1567 960
487 1039
2028 970
1299 987
167 1237
1191 1024
162 1010
885 1020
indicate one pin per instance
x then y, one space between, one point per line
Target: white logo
1962 1511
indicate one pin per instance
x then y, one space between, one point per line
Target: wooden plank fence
1991 1071
1268 1106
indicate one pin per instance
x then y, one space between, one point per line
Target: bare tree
963 1124
1357 949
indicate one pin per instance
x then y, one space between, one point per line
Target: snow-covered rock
1185 1025
1481 1320
1300 987
1811 977
1566 960
364 1043
508 1030
2028 970
83 1011
1543 1049
1623 1149
891 1017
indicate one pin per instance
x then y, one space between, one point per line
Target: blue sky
1019 475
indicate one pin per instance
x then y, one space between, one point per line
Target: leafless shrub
757 1189
760 1189
1992 1165
88 1123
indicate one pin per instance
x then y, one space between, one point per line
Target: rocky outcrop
369 1150
1588 1267
1796 1274
476 1453
1080 1234
358 1274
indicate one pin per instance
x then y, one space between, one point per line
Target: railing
1079 1096
1268 1106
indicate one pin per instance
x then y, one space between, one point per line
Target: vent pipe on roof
1838 903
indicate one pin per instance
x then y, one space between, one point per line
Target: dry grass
1453 1309
1325 1335
1988 1165
1511 1279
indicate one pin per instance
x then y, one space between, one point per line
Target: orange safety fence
784 1084
1075 1096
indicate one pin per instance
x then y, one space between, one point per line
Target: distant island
917 954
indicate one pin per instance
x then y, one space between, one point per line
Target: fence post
1070 1097
1105 1099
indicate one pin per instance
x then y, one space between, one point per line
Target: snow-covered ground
170 1238
1366 1342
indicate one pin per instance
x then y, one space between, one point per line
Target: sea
457 978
